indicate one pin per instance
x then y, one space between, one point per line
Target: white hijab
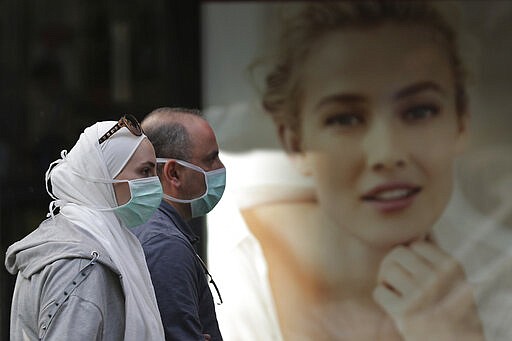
77 198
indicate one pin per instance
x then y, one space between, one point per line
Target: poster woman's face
379 131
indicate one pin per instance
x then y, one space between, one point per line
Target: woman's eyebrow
419 87
148 164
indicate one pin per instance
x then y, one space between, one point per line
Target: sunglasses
128 121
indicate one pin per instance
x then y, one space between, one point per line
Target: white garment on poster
237 262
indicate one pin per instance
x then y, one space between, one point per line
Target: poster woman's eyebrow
344 98
419 87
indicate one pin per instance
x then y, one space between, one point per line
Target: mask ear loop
103 181
56 202
112 181
188 165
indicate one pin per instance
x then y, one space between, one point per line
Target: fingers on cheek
459 303
430 252
395 278
405 281
396 288
435 257
411 261
447 267
388 300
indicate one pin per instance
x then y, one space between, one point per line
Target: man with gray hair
193 180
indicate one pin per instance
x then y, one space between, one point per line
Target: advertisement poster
332 138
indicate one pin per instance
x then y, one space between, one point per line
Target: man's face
204 154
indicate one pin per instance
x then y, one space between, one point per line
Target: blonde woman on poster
370 105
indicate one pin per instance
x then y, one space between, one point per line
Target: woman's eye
421 113
345 120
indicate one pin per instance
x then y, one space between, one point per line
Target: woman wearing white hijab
82 274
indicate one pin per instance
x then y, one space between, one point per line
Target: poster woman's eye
421 112
344 120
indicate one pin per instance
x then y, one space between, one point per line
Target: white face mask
215 183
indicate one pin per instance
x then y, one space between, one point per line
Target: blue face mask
145 198
146 195
215 183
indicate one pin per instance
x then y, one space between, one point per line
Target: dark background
67 64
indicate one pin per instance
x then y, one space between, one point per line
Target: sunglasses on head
128 121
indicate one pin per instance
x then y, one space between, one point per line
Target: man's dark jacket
181 287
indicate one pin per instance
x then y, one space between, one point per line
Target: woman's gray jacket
67 287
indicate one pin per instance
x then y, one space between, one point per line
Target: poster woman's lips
391 197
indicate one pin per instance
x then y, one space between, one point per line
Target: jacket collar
178 221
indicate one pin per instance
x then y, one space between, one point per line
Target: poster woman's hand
425 292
